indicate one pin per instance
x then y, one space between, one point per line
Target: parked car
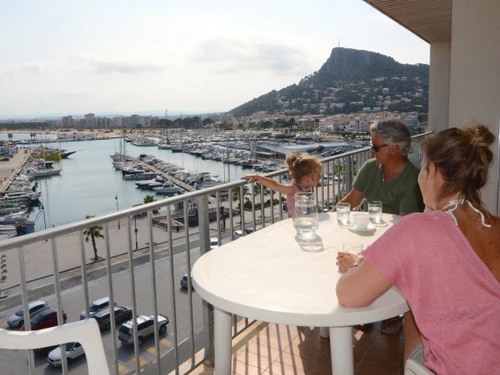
43 352
17 319
103 317
214 242
145 328
95 307
184 281
45 319
73 351
239 233
4 159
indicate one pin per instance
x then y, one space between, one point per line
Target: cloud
226 55
102 65
24 68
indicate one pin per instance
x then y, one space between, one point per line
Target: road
15 362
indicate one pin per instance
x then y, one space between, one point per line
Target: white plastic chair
86 332
413 367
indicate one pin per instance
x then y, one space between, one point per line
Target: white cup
361 220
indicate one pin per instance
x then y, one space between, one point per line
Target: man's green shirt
401 194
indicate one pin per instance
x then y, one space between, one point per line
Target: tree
236 192
150 199
207 121
257 188
91 234
10 135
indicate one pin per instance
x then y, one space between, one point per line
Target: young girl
305 171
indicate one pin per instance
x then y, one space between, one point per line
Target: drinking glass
375 211
352 247
344 214
305 215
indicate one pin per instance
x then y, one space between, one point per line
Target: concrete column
439 86
475 75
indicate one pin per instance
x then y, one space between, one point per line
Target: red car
45 319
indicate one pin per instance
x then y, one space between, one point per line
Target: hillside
349 81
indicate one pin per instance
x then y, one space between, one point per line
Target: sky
70 57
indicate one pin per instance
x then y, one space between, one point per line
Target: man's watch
354 265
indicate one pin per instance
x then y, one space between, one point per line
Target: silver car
17 319
95 307
145 328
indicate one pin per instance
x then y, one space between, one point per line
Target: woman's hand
346 260
251 177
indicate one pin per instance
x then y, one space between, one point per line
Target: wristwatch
354 265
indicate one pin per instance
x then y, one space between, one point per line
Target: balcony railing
147 278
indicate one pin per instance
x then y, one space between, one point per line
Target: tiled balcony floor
272 349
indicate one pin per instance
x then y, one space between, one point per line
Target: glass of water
344 214
375 211
305 215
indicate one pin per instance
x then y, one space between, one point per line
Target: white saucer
369 228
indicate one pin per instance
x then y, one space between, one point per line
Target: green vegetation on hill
349 81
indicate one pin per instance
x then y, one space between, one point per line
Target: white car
214 242
73 351
239 233
17 319
145 327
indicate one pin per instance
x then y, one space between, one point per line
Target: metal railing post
207 309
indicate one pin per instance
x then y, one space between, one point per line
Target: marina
89 185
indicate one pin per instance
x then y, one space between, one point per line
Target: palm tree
92 233
257 188
150 199
10 135
236 192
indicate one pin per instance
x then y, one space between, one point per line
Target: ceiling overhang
428 19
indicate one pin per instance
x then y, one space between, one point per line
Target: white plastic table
273 276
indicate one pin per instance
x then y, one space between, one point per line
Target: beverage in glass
344 214
305 215
352 247
375 211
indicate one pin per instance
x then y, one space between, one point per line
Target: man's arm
354 198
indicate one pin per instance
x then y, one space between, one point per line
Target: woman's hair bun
480 136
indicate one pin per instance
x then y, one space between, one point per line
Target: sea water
88 183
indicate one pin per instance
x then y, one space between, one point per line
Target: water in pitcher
305 216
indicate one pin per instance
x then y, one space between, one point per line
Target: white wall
475 74
439 86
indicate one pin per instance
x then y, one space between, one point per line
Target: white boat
140 176
149 184
38 173
168 188
144 142
13 218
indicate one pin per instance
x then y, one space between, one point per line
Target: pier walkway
9 170
172 179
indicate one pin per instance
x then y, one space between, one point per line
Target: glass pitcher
305 215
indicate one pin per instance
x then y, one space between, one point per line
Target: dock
172 179
9 170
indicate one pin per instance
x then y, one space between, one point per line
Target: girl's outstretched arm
270 183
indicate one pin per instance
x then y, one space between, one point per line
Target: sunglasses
377 148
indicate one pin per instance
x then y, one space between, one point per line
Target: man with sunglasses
389 177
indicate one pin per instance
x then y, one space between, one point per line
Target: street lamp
117 209
136 230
